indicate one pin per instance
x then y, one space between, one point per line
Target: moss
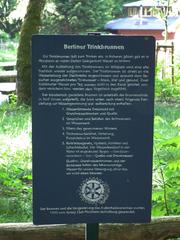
30 26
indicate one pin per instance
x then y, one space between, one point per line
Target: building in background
142 20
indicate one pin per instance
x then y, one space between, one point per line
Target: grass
15 161
7 56
9 53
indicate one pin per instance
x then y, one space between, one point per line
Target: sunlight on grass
21 142
10 144
15 163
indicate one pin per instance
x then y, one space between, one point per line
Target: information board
92 122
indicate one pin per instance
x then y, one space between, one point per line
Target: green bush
15 184
4 36
166 178
15 162
9 51
165 90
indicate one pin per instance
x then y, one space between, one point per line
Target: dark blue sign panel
92 128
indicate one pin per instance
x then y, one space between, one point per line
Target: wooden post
157 52
92 231
172 62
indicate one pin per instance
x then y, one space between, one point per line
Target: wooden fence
165 52
159 229
8 75
8 72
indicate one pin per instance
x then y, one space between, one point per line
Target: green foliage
15 184
15 162
166 178
7 25
78 16
13 100
4 36
9 52
165 89
6 56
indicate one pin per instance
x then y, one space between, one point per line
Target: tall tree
30 26
78 16
163 14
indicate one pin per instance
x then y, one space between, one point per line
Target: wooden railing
8 75
159 229
8 72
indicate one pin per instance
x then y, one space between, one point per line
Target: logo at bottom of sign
94 191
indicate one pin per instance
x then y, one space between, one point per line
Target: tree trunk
159 229
166 30
30 26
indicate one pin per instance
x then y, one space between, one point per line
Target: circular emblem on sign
94 191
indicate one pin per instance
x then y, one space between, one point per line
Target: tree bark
30 26
159 229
